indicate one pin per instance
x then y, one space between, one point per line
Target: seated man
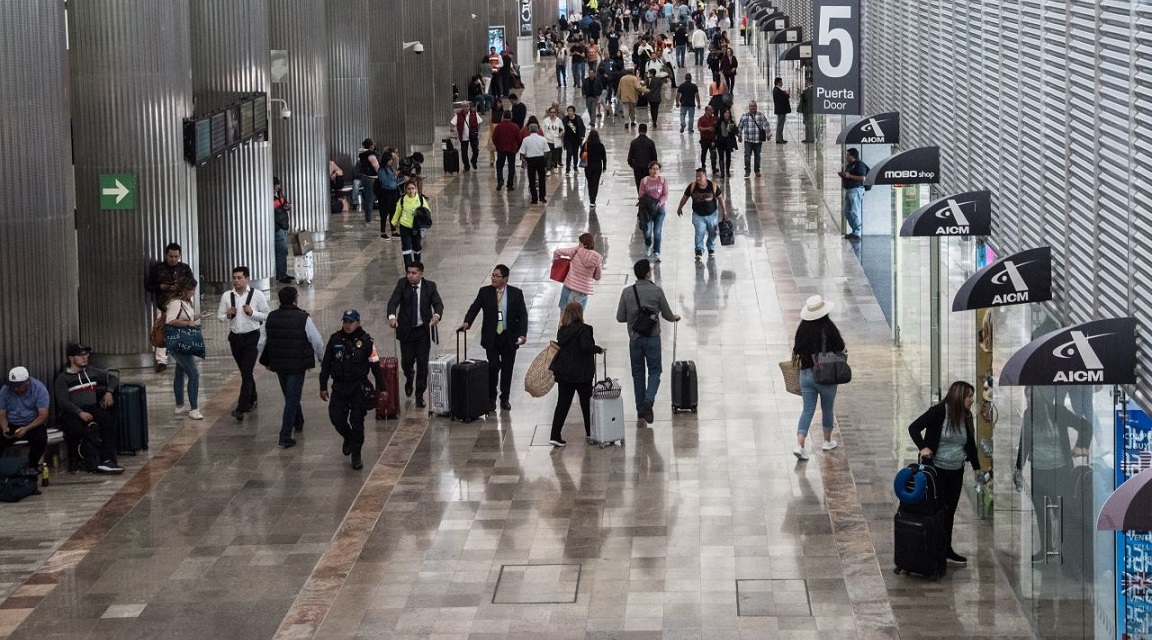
83 405
23 412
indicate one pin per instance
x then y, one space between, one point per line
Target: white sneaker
830 445
195 414
800 453
181 410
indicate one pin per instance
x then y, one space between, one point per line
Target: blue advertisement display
1133 548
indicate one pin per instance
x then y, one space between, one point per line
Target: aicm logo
955 212
877 134
1080 344
1011 276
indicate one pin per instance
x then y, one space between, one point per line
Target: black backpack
17 480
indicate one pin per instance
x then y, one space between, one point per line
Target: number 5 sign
836 80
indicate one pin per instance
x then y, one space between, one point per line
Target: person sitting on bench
23 414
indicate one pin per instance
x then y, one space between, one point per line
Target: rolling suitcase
919 546
303 269
440 384
468 385
607 419
132 413
388 400
684 381
451 157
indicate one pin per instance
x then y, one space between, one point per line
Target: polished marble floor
702 526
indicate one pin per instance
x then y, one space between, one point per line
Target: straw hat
815 308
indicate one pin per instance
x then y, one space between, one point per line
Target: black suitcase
684 382
451 157
919 545
468 387
132 414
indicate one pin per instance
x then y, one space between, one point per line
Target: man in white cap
23 412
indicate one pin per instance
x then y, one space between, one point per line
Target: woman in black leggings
597 164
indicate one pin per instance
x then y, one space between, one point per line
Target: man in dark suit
414 308
505 329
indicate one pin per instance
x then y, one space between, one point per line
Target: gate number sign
836 76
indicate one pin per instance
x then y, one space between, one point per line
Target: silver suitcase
303 268
439 384
607 421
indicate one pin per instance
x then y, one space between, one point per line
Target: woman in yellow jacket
405 219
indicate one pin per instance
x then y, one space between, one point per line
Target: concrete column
299 145
234 191
349 92
38 277
129 98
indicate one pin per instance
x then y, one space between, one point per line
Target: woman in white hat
816 333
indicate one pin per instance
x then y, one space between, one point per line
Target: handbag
422 217
645 323
790 369
156 335
830 367
583 156
560 268
302 242
188 340
539 379
727 233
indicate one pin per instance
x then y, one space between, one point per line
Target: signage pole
897 265
936 313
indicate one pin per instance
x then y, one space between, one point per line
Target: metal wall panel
349 89
299 144
389 84
35 221
128 102
235 208
421 75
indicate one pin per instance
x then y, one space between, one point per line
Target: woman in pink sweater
584 269
655 187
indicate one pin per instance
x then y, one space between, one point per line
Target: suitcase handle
605 354
460 332
675 330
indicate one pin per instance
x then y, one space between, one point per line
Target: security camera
418 48
285 113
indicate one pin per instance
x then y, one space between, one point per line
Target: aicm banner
836 78
1096 352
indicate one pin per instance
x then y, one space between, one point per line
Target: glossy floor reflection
703 526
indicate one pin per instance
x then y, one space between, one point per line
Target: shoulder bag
560 268
645 323
188 340
539 380
830 367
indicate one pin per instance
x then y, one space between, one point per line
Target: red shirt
506 137
707 126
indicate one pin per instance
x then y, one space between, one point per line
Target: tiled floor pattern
703 526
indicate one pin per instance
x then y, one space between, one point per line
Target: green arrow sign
118 191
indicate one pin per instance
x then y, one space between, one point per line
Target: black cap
77 349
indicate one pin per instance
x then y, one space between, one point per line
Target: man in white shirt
467 121
244 309
535 150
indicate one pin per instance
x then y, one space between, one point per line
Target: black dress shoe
239 415
956 558
408 387
346 448
287 443
505 405
357 463
161 366
420 402
851 236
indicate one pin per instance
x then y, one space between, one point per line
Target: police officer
348 358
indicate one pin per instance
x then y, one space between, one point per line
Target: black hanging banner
1097 352
1018 279
836 79
525 18
773 21
791 35
914 166
802 51
882 128
964 214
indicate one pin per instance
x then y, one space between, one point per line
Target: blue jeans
292 385
562 75
368 196
749 149
681 49
653 232
688 111
568 295
579 70
853 201
281 253
643 350
186 367
809 390
708 224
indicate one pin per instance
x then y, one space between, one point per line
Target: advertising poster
1133 548
496 38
